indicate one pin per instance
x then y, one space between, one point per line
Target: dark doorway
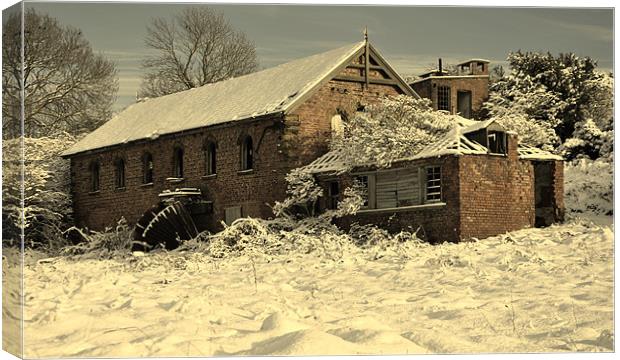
543 193
463 103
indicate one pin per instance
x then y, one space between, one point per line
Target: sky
411 38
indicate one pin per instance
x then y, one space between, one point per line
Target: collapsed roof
275 90
453 143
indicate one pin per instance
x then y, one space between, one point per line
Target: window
178 162
247 154
497 142
210 159
433 184
119 173
333 195
337 126
147 168
94 176
443 98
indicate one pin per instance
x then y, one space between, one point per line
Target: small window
178 162
247 154
433 184
443 98
94 176
119 173
210 159
333 195
497 142
147 168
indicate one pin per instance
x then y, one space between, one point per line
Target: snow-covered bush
102 244
588 186
397 127
46 201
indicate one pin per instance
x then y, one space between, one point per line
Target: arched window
210 158
119 173
178 162
147 168
337 125
94 176
247 154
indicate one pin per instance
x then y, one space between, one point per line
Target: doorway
463 103
543 193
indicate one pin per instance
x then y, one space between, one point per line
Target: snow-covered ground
534 290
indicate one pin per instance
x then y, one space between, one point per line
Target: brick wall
496 193
478 85
280 145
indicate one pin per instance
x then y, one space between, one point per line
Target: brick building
475 182
233 142
461 92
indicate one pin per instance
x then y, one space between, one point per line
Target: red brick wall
299 139
497 193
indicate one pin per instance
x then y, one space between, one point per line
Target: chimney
440 67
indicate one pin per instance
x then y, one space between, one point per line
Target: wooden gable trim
389 70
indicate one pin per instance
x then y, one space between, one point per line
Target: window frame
178 159
95 176
119 174
437 196
332 199
210 160
444 91
148 171
247 153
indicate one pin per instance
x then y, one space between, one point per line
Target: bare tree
67 87
194 48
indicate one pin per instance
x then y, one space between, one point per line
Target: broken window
147 168
497 142
333 195
247 154
94 176
210 159
433 184
178 162
443 98
119 173
362 180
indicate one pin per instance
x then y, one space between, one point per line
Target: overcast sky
410 38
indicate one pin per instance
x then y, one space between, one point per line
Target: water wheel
164 225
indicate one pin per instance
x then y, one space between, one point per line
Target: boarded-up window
443 98
231 214
433 184
397 188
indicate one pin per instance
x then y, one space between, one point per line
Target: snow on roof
533 153
332 162
472 60
268 91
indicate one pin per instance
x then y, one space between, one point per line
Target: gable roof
279 89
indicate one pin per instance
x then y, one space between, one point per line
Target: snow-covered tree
566 94
397 127
46 200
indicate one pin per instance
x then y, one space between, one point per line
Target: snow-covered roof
533 153
453 143
472 60
274 90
